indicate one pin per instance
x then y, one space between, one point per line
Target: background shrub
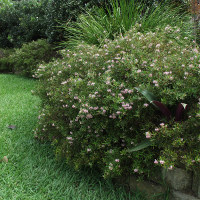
23 21
20 23
93 115
26 59
5 65
62 11
5 2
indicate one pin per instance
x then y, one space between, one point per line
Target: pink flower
116 160
88 150
155 161
130 91
158 45
162 124
150 45
85 110
166 73
191 66
162 162
110 168
65 82
155 82
89 116
195 50
107 82
135 170
146 105
114 116
148 134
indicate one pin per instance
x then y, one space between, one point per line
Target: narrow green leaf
141 146
148 95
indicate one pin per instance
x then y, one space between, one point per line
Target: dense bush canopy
93 115
21 22
26 59
24 21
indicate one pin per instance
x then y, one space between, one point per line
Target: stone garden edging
181 184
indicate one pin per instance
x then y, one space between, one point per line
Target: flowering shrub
93 114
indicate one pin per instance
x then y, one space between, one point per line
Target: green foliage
180 141
5 3
142 145
61 11
26 59
93 114
24 21
149 96
119 16
5 65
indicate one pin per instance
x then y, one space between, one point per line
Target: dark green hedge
25 21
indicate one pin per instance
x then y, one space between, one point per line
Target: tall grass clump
119 16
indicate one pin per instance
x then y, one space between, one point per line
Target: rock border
181 184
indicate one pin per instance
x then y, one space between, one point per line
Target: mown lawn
32 173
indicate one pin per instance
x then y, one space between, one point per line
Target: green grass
32 172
